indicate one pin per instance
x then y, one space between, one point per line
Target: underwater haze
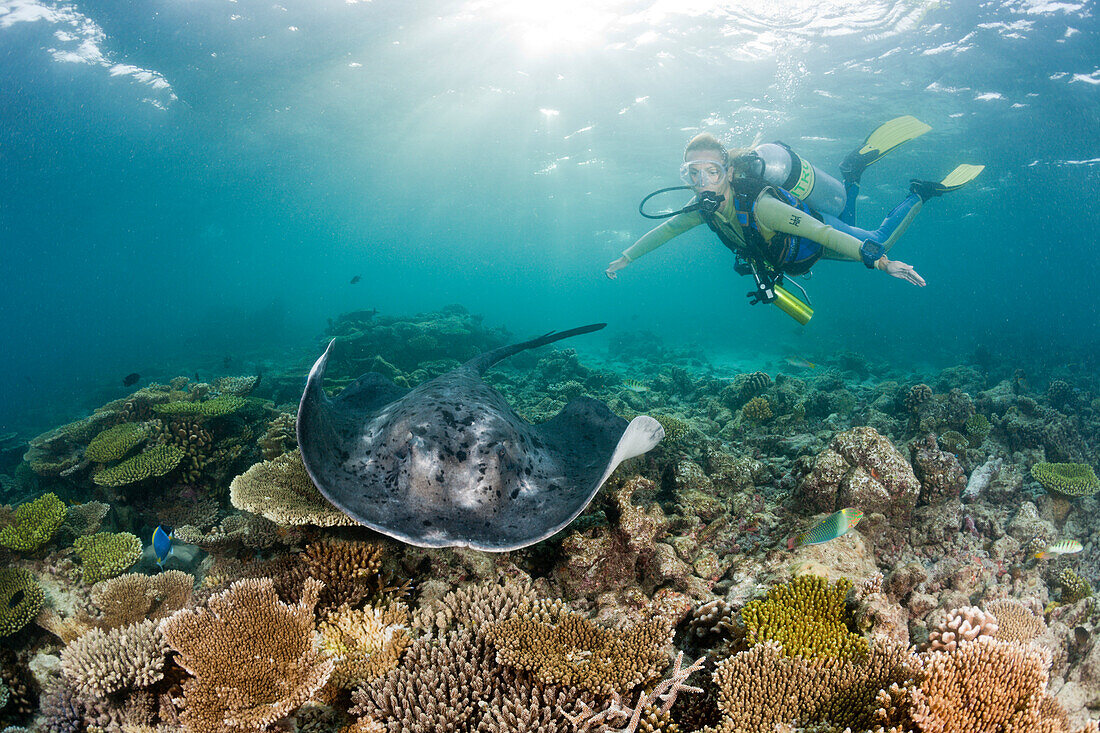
188 185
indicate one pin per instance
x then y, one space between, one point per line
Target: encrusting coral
106 554
281 490
153 462
20 599
35 523
1068 479
806 617
560 647
102 663
252 657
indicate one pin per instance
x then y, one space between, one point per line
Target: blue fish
162 543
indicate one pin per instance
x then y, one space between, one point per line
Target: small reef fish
130 379
829 528
1065 547
799 363
162 543
634 385
355 279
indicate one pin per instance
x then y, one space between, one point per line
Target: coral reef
106 554
20 599
806 617
34 523
154 462
281 490
1069 479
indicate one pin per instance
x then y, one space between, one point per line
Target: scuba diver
779 214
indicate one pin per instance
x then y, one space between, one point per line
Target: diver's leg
897 221
851 193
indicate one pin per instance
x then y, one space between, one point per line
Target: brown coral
253 657
133 597
366 643
559 647
102 663
1015 621
282 491
962 624
474 606
350 571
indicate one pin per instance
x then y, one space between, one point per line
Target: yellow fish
634 385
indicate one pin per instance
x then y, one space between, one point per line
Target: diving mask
699 173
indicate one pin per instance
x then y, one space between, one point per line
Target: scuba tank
780 166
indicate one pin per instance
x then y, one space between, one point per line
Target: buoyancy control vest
783 253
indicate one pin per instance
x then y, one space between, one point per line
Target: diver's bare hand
900 270
615 266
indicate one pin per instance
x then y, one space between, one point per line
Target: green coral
107 554
977 426
34 523
675 428
1069 479
807 617
20 599
156 461
757 410
223 405
1074 587
114 443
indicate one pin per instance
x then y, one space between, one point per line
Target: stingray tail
486 360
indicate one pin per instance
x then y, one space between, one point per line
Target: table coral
1068 479
806 617
282 491
134 597
252 657
106 554
153 462
114 443
34 523
568 649
216 407
20 599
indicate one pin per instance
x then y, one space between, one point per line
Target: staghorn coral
366 643
216 407
762 688
188 434
806 617
757 410
559 647
1068 479
961 625
35 523
474 606
133 597
106 554
114 443
1015 622
1074 587
350 571
455 684
102 663
252 657
151 463
20 599
282 491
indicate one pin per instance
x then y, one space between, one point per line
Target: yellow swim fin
885 138
961 176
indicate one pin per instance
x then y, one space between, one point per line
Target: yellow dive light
792 306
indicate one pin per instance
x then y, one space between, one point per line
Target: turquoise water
185 183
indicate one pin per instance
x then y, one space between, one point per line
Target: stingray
450 463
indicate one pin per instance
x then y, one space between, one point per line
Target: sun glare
565 25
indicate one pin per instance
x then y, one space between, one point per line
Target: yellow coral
366 643
114 443
35 523
156 461
807 617
560 647
1069 479
20 599
757 410
106 554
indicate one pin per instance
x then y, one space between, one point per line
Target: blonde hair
706 141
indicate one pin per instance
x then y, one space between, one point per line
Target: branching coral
133 597
350 571
806 617
1074 587
20 599
252 657
34 523
763 687
559 647
366 643
1069 479
223 405
282 491
476 607
961 625
757 410
1015 622
106 554
153 462
102 663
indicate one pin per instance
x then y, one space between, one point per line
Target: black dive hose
707 202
